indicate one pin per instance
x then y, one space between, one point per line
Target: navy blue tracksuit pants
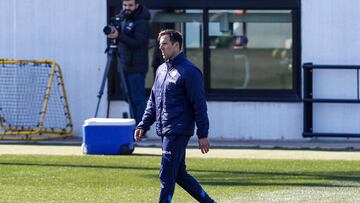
173 170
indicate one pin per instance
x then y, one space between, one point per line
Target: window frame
272 95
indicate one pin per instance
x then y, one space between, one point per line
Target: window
250 49
247 50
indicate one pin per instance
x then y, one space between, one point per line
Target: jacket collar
177 60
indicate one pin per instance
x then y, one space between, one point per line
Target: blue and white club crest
173 72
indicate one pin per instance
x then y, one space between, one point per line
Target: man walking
176 103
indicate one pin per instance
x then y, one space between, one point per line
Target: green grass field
49 178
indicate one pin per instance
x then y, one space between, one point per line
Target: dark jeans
136 87
173 170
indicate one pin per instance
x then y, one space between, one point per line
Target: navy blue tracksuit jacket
177 100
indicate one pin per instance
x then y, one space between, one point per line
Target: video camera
115 23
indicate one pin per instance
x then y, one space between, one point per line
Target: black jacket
177 100
133 41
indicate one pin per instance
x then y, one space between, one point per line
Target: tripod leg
106 72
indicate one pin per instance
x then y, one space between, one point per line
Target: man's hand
138 134
113 35
204 145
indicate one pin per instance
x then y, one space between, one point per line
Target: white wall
70 32
330 31
255 120
67 31
331 35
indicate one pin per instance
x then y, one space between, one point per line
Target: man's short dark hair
136 1
174 36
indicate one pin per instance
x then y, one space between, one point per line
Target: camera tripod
111 52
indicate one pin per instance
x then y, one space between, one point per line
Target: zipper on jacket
162 97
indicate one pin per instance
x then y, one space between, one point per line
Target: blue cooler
108 136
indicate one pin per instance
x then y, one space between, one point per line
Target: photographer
132 35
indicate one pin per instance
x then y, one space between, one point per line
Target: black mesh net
26 88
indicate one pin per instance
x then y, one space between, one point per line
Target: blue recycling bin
111 136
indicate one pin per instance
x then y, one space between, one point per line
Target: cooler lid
110 121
